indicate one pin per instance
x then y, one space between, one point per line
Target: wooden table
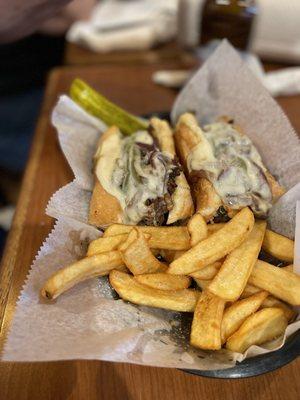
168 52
47 170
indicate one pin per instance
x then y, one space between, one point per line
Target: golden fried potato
262 326
212 228
86 268
164 281
216 246
237 313
279 282
233 275
130 289
271 301
202 283
166 237
104 244
197 228
206 326
278 246
249 290
137 255
207 273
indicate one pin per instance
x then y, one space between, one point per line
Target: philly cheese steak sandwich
224 169
138 179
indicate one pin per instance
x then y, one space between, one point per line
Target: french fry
168 255
278 246
237 313
249 290
104 244
171 255
271 301
233 275
131 238
212 228
206 326
137 255
260 327
164 281
155 252
280 283
216 246
288 268
169 238
178 253
197 228
202 283
86 268
130 289
207 273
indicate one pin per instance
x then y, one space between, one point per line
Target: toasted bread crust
185 137
105 209
276 189
163 134
207 199
182 198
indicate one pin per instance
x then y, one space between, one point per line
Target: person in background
60 23
31 43
19 18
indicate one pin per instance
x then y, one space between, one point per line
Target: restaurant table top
47 170
163 53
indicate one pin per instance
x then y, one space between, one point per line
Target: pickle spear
98 106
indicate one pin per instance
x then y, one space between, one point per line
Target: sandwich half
138 179
224 169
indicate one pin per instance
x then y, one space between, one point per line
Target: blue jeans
18 115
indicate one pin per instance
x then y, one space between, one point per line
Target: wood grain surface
47 170
168 52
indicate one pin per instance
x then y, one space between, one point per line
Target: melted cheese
233 165
108 154
124 174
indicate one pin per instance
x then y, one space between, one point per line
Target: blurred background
133 32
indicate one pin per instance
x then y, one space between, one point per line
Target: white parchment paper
87 322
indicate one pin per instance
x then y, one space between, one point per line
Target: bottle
203 21
230 19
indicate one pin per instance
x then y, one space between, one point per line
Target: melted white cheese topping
124 174
233 165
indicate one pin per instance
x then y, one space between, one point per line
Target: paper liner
282 215
78 133
86 322
70 201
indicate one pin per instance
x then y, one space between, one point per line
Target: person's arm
75 11
19 18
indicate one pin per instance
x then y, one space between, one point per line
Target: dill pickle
100 107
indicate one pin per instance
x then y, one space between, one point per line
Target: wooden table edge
11 248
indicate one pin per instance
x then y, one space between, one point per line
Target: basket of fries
174 245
